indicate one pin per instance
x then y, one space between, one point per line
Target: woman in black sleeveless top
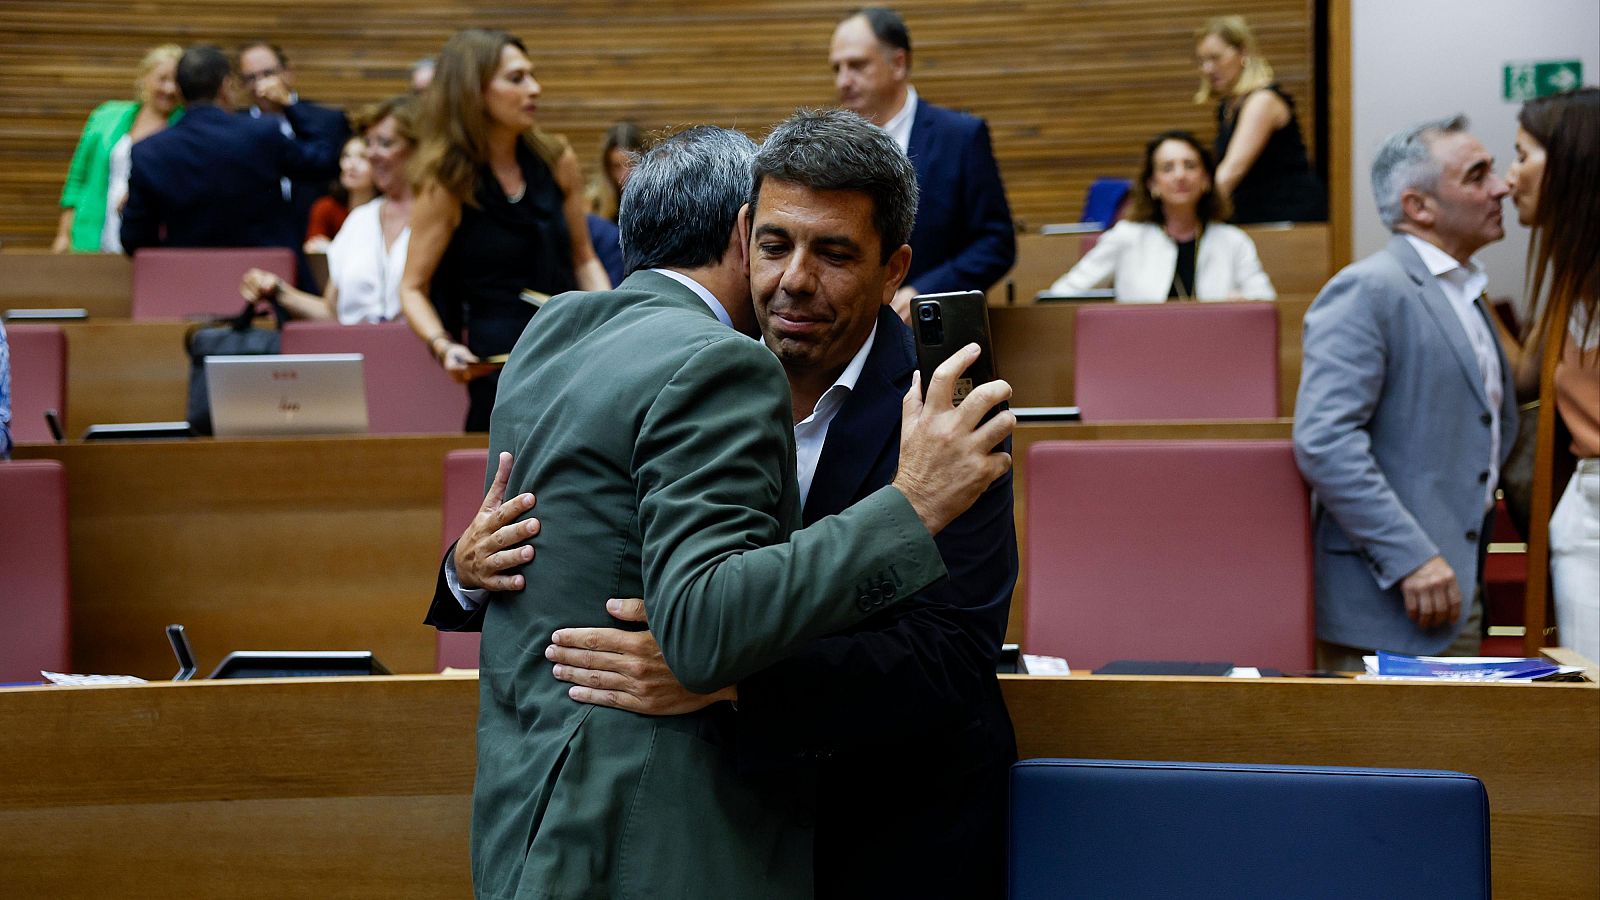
498 221
1263 168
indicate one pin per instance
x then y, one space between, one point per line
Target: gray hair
837 150
682 200
1405 162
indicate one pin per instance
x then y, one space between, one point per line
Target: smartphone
943 324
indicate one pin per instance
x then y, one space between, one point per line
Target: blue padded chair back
1105 195
1110 828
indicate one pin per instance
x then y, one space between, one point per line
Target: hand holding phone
943 324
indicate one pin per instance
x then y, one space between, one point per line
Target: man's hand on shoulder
947 459
493 545
623 669
1433 596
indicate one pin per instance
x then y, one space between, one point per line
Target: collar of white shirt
811 432
899 124
1468 281
701 292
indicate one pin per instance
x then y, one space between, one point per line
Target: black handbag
237 336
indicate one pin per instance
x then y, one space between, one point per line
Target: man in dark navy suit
212 179
266 77
964 239
900 719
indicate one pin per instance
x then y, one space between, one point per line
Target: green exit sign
1527 80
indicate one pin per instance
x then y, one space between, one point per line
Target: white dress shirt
288 132
1463 286
899 124
811 432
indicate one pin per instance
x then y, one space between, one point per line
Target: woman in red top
353 188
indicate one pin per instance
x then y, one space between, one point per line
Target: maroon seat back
38 379
176 282
407 391
34 576
1196 551
464 472
1169 361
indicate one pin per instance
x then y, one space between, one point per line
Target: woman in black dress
497 225
1263 165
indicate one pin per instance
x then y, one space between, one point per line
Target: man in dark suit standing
964 238
212 179
266 76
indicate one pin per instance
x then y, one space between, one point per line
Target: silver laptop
286 394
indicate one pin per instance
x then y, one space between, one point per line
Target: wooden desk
318 543
124 371
1034 346
307 543
359 787
101 283
1536 747
1295 257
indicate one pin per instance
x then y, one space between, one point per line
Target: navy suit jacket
211 180
901 718
964 239
326 128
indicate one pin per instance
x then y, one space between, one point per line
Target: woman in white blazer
1173 244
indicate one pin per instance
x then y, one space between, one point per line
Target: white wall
1420 59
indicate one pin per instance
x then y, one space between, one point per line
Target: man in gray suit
1406 410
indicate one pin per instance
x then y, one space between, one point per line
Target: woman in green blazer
97 182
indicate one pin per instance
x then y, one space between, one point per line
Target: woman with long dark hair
1173 244
1554 181
498 224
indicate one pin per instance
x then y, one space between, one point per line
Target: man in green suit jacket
660 441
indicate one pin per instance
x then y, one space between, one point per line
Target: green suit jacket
89 176
660 445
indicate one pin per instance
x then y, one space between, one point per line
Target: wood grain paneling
252 544
359 787
1071 90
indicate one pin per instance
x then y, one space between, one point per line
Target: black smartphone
943 324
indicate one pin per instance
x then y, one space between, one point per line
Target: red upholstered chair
463 494
34 578
1138 362
175 282
407 391
1195 551
38 379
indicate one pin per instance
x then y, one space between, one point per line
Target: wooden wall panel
1071 90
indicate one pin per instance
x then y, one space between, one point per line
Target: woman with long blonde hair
497 224
97 181
1262 165
1554 181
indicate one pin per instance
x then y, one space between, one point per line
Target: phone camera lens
926 313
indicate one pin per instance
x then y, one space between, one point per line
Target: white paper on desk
60 678
1045 665
1244 672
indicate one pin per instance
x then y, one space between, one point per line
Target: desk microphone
180 648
